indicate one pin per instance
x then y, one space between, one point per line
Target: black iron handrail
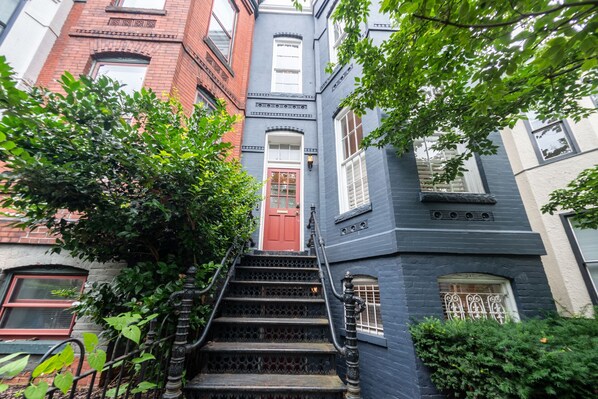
186 296
353 306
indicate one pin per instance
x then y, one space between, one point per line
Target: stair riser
248 274
279 262
233 333
281 291
268 363
288 309
270 395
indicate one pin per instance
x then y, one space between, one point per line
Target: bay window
222 27
130 72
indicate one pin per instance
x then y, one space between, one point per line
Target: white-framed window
205 99
370 320
128 71
148 4
31 306
221 31
550 138
586 244
352 171
477 296
336 35
284 152
287 66
430 162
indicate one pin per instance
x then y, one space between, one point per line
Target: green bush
153 187
555 357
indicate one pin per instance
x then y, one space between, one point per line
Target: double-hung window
148 4
7 10
353 179
550 138
129 72
32 306
370 320
430 163
222 27
336 35
286 66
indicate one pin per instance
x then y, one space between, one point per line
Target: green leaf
97 359
48 366
144 386
11 356
3 387
90 341
144 357
36 391
64 381
15 367
132 332
67 355
111 393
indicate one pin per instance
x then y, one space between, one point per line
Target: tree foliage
470 67
141 182
581 197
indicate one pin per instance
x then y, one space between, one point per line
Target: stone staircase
271 339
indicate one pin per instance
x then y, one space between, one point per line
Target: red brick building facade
196 50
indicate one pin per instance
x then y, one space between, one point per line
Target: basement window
32 307
477 296
370 320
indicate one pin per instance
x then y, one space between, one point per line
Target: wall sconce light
310 162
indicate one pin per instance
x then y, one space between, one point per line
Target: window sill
37 347
219 55
360 210
463 198
378 340
130 10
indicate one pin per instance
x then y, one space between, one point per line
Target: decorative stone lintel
463 198
352 213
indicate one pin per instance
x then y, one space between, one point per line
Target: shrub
151 186
540 358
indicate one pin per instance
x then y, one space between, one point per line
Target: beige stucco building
546 156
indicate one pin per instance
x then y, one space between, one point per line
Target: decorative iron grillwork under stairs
271 338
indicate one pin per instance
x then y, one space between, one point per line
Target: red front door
281 227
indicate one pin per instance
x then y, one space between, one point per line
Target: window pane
370 320
225 13
7 8
131 76
41 288
587 239
154 4
205 99
219 37
37 318
552 141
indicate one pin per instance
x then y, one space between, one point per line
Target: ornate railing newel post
352 352
177 359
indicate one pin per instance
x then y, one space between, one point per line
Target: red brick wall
180 60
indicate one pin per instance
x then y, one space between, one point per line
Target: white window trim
377 328
229 59
343 193
122 3
480 278
334 45
275 58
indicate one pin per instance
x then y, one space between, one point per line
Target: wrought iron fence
124 376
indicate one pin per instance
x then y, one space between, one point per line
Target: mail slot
279 211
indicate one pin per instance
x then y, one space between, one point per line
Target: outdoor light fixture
310 162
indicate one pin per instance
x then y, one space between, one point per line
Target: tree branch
522 16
